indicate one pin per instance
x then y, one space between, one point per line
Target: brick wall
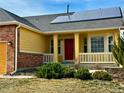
27 60
7 33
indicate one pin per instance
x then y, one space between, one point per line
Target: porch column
55 40
76 37
116 36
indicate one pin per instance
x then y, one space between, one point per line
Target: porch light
9 43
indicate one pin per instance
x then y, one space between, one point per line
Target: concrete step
68 63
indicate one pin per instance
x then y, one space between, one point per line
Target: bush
102 75
69 72
118 51
83 74
50 71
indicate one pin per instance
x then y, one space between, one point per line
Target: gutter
80 30
54 32
16 49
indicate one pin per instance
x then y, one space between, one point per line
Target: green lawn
59 86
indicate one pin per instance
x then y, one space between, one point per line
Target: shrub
83 74
118 51
50 70
102 75
69 72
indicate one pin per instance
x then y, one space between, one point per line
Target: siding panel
32 41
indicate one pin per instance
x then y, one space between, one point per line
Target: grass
37 85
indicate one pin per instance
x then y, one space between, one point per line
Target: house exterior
79 37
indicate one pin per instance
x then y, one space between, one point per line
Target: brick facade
7 33
27 60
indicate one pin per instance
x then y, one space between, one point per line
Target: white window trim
89 41
106 48
58 46
108 40
103 42
121 33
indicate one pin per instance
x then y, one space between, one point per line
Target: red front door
69 49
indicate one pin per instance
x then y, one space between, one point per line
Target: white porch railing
96 57
47 58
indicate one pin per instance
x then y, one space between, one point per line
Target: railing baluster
96 57
47 58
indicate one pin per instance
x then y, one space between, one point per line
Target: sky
42 7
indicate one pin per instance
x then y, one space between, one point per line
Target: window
52 47
85 45
110 43
59 47
97 44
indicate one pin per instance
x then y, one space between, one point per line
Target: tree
118 51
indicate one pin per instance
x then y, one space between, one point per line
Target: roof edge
54 32
47 15
81 30
21 24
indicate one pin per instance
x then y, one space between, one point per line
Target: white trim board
31 52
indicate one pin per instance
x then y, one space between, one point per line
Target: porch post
116 36
76 37
55 40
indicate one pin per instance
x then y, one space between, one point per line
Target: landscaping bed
116 72
26 72
61 79
38 85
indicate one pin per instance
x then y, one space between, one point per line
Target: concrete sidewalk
9 76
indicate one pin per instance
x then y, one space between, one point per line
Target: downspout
16 49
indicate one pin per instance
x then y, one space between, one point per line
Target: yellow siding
81 43
32 41
60 58
35 42
116 35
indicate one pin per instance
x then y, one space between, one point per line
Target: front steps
68 64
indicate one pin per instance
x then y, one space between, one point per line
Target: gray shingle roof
6 16
44 23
